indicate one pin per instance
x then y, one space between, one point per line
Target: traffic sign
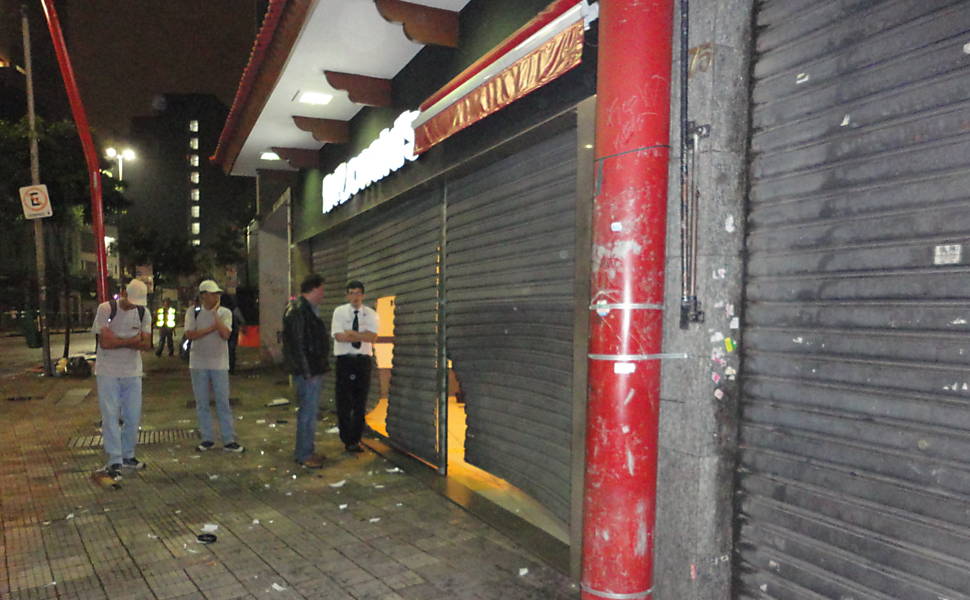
36 202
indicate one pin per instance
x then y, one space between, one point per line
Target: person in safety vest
165 324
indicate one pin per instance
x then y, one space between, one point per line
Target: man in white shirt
208 327
124 329
354 328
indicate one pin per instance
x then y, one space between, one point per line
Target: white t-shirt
343 320
120 362
209 351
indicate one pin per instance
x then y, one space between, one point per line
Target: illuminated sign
388 153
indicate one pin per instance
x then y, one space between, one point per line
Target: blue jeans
308 396
119 399
219 380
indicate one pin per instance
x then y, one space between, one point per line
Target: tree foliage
62 169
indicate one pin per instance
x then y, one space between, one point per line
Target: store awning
537 53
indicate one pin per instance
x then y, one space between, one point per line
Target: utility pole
35 180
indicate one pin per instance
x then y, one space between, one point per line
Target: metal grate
152 436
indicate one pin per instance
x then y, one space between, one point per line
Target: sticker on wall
947 254
624 368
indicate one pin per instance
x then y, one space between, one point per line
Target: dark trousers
353 383
233 342
165 336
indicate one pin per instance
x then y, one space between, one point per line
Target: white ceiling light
317 98
269 156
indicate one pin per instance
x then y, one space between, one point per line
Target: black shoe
354 448
234 447
205 446
132 463
113 471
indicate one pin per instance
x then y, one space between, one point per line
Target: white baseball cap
210 286
137 292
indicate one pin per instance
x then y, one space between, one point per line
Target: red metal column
627 283
90 154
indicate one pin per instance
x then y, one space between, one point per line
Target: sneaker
133 463
113 471
205 446
233 447
315 461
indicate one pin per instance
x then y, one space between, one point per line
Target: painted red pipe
627 285
84 132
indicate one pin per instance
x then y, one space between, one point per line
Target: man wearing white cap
123 328
208 327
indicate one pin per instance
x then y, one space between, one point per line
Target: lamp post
121 157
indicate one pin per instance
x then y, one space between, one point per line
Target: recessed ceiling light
269 156
318 98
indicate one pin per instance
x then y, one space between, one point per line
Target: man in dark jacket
306 349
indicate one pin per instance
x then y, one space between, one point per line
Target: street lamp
121 157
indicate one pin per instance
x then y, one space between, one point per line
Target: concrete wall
699 394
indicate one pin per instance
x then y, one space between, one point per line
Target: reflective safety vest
165 320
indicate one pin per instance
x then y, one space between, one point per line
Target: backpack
185 344
114 312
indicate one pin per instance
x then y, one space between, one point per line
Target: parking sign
36 202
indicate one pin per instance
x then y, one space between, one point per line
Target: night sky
125 52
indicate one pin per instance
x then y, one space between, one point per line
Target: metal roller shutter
510 258
854 478
395 253
329 255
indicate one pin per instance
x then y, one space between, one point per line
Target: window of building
194 143
195 212
194 177
195 242
195 229
194 125
194 194
194 160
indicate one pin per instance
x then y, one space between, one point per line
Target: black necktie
355 327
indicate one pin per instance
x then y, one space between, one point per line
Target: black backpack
185 344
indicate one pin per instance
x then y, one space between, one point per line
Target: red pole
84 132
627 283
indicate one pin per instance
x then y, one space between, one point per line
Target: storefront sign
388 153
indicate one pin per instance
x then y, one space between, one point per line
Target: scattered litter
152 536
281 421
206 538
260 421
394 470
802 78
69 516
289 493
374 520
262 452
278 587
333 430
266 485
209 527
255 521
399 504
212 477
523 572
846 120
278 402
379 486
337 484
342 506
272 425
186 547
51 583
293 475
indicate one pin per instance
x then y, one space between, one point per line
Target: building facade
813 418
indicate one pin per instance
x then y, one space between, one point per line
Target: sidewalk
360 528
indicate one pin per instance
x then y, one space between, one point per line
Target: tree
64 171
170 256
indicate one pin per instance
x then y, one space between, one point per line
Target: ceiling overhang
347 49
